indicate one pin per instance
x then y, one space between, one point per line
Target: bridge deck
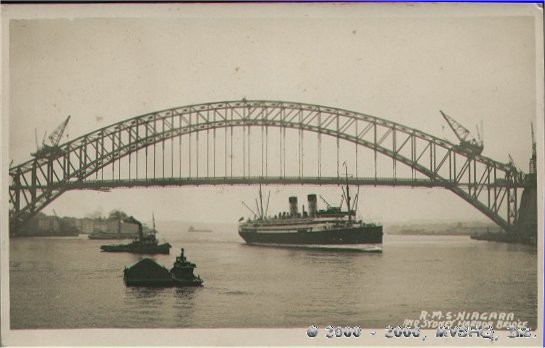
256 180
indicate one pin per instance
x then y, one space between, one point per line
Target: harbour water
67 282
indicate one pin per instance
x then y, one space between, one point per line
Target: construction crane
533 169
467 144
515 171
54 139
512 163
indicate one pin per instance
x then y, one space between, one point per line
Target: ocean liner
330 228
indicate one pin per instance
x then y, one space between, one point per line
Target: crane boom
467 144
56 135
323 199
52 149
461 132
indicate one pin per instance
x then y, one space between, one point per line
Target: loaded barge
149 273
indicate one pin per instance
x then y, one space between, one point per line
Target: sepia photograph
272 174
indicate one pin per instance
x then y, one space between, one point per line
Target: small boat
193 229
147 244
149 273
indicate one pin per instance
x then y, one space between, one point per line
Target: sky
402 63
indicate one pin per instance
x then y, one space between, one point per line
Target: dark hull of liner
158 249
340 236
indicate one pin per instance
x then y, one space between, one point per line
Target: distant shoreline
441 229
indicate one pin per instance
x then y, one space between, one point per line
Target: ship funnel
293 206
312 205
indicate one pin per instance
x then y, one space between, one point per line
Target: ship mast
267 209
356 199
154 231
347 193
261 202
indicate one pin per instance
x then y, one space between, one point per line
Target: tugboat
148 273
182 272
142 244
331 228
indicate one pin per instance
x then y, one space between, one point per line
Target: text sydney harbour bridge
269 142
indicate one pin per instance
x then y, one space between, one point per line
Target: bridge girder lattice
490 186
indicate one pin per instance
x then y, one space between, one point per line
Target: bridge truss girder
490 186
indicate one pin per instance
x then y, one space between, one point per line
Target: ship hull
114 235
150 249
334 237
163 282
187 282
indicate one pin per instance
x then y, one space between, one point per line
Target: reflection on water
69 283
184 300
135 293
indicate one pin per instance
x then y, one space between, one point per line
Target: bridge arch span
488 185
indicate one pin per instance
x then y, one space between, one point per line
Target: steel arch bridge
163 148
